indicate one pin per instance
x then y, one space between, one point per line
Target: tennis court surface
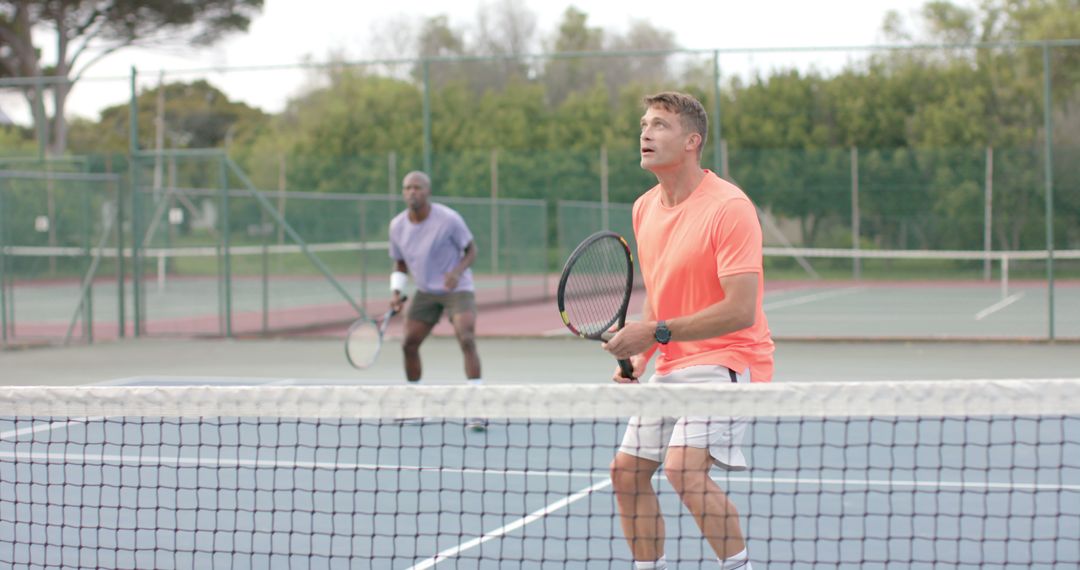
180 473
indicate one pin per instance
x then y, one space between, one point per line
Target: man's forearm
735 312
466 260
713 321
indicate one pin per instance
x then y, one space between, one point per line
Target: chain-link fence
285 228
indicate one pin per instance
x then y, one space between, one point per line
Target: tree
993 97
88 30
196 115
438 39
567 75
340 135
506 29
645 70
14 141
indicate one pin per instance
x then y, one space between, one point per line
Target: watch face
663 334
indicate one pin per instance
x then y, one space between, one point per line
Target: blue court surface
286 493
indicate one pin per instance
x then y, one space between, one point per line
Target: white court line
998 306
887 483
811 298
214 462
452 552
194 381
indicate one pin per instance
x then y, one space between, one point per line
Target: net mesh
955 474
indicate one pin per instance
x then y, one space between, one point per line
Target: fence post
88 296
427 118
265 270
494 213
282 165
1048 163
988 213
855 214
392 184
363 255
117 192
136 246
50 210
719 150
3 275
226 261
159 134
509 265
544 248
604 219
725 170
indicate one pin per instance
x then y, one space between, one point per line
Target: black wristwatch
662 334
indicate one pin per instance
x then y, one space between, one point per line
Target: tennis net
944 474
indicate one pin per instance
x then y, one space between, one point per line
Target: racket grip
627 369
395 311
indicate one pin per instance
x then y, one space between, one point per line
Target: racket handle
395 311
627 369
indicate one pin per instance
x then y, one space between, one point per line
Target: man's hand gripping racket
594 289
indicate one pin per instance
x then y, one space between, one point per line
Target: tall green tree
194 115
88 30
505 29
438 39
563 76
340 135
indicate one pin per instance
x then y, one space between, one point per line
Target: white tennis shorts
650 437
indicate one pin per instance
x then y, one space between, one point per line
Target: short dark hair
690 111
419 174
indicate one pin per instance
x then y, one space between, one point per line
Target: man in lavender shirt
432 242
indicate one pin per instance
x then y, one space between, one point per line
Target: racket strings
596 287
363 343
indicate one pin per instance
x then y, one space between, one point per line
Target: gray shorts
650 437
428 307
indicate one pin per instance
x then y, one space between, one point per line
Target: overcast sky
288 31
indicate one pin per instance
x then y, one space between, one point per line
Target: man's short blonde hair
690 111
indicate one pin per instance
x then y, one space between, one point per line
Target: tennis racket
364 341
594 290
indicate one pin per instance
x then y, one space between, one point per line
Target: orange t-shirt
683 252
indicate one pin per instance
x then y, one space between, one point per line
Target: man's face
416 192
664 141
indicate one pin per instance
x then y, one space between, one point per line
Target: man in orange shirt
699 248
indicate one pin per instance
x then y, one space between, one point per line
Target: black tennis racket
365 338
594 290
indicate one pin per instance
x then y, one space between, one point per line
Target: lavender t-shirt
432 248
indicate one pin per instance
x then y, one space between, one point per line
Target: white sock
660 564
740 561
475 381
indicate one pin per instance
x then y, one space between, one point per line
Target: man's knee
411 343
688 474
467 341
465 330
628 474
